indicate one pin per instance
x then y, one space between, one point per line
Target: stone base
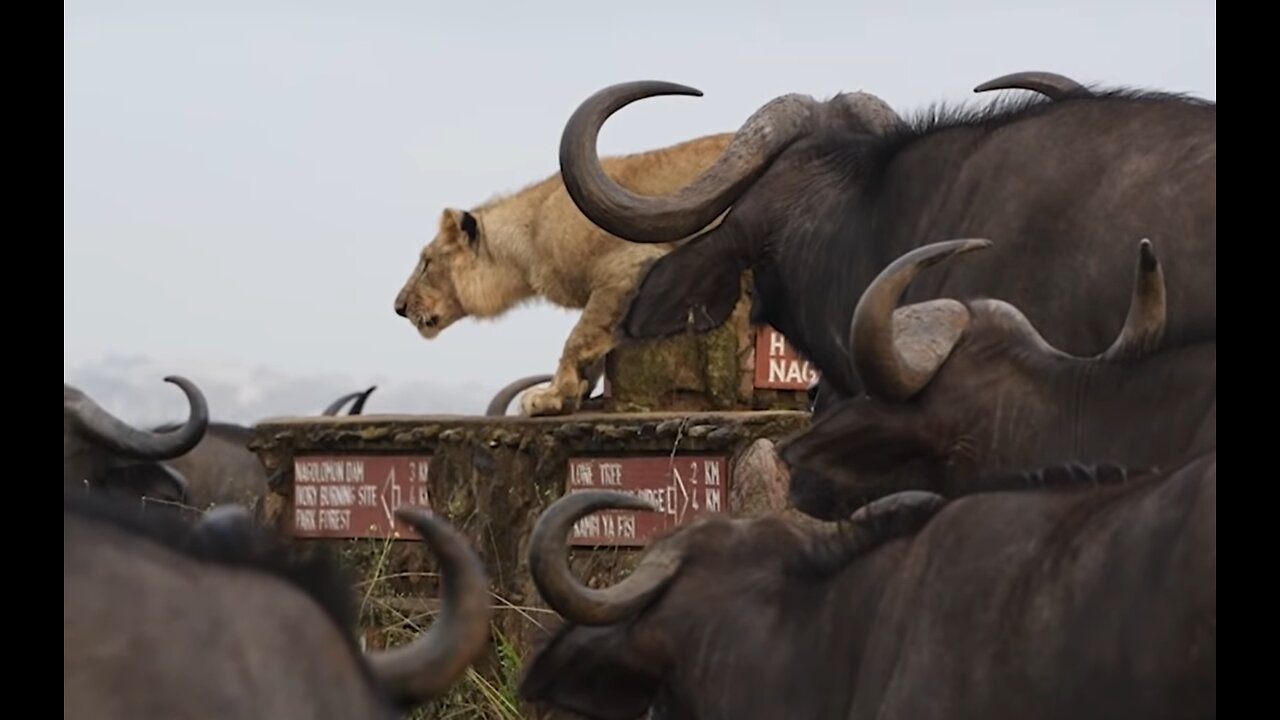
491 478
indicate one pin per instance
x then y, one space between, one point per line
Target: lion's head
457 276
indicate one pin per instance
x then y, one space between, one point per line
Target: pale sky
247 185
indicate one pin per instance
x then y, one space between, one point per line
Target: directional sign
778 365
682 487
354 496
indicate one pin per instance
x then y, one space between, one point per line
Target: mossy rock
695 371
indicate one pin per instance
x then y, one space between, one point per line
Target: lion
535 243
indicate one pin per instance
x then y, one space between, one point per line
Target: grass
487 690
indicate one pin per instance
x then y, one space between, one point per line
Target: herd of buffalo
1010 473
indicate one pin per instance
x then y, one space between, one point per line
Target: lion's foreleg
581 360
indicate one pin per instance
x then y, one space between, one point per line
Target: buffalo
168 619
1082 600
821 196
222 470
960 390
103 453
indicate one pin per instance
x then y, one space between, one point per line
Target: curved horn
498 405
1051 85
833 545
333 407
896 352
1145 323
646 219
427 666
1143 326
107 430
549 563
361 398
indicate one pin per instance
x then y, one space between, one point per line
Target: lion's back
564 237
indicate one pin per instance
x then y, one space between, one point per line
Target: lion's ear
463 223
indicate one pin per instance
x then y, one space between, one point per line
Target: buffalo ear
860 436
695 286
595 672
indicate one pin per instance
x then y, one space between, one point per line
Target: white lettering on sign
304 519
419 472
790 370
314 472
778 365
355 496
692 485
304 496
611 474
777 344
582 476
337 495
334 519
616 525
713 498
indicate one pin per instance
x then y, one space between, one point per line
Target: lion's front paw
542 401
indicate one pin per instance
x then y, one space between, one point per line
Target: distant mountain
132 388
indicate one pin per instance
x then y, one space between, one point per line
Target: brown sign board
353 496
778 365
683 488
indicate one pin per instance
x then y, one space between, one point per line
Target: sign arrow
684 494
386 487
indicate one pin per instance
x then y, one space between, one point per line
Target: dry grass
487 691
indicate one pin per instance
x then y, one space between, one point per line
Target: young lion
535 243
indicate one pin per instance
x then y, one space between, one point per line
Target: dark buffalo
1073 602
1051 85
102 452
221 469
168 619
961 390
821 196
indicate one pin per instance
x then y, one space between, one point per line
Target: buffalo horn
1051 85
877 522
549 563
1145 323
502 399
333 407
358 406
897 351
1143 326
109 431
360 398
427 666
646 219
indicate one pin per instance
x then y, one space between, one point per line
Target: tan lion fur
535 243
